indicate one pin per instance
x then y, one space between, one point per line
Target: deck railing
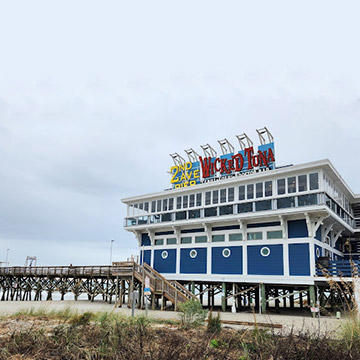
341 268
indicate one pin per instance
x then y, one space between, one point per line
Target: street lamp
111 247
7 256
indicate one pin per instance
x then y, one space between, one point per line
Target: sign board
147 290
226 166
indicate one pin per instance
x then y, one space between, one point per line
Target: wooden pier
112 283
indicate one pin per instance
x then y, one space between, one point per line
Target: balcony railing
341 268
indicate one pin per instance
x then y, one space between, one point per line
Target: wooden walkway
113 283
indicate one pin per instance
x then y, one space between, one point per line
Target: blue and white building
265 225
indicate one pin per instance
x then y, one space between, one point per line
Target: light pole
7 256
111 247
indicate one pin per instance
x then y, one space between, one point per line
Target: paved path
299 323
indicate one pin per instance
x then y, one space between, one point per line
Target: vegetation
214 323
192 314
68 335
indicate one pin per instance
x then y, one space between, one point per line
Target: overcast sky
94 95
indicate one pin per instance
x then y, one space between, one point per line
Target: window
310 199
231 194
223 195
208 198
192 200
185 201
263 205
181 215
166 217
178 202
235 237
186 240
164 254
171 203
254 236
200 239
276 234
246 207
159 241
198 199
211 212
153 206
193 254
194 214
226 210
215 196
281 186
259 190
250 191
314 181
265 251
158 205
286 202
242 192
165 207
171 241
141 206
226 253
218 238
130 221
302 182
291 184
146 206
142 220
268 188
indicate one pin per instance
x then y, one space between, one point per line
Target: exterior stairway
171 290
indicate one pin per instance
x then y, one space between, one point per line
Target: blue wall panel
299 259
318 234
297 229
146 256
145 240
229 265
167 265
265 265
188 265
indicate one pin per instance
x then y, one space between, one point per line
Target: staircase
171 290
356 210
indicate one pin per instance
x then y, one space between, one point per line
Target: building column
263 298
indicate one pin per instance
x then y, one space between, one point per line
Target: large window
159 241
218 238
211 212
259 190
245 207
281 186
250 191
194 214
208 198
268 188
254 235
165 204
200 239
310 199
192 200
226 210
171 203
185 201
178 202
242 192
153 206
276 234
198 199
235 237
291 184
181 215
171 241
186 240
230 194
158 205
166 217
263 205
314 181
286 202
215 195
223 195
302 179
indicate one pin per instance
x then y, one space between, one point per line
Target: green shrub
192 314
214 323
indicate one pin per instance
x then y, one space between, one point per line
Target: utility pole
111 247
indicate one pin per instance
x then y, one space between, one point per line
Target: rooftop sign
213 168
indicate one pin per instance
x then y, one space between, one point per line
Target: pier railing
341 268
